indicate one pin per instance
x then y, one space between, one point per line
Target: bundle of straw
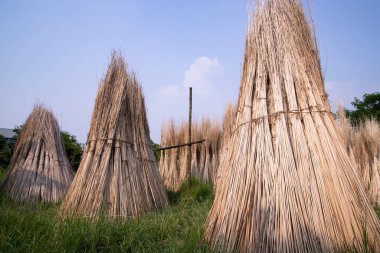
118 174
204 157
210 150
169 171
288 184
39 170
228 121
363 146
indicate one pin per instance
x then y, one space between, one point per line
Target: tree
5 152
156 150
368 107
13 141
74 150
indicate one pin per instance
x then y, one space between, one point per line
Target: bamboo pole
189 134
181 145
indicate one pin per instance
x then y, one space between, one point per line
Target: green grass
178 228
2 174
377 210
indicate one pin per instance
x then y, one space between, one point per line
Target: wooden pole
189 140
182 145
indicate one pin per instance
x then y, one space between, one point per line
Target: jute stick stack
39 170
363 146
118 174
210 150
228 121
288 184
169 169
204 157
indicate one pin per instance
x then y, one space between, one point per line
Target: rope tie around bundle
274 115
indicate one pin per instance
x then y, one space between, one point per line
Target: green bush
73 149
5 152
368 107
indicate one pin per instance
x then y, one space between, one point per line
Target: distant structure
7 133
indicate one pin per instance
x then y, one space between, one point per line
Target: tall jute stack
288 183
208 157
118 174
169 169
39 170
228 121
363 146
204 157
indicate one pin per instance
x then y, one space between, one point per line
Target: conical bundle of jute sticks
204 156
362 143
288 184
118 175
169 171
173 162
39 170
228 121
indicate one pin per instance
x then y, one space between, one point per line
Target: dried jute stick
118 174
39 170
363 146
286 183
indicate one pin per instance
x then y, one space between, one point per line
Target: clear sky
56 52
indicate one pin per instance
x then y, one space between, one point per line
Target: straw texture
228 121
288 184
39 170
363 146
204 157
118 174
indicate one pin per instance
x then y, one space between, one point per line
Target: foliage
178 228
17 131
73 149
5 152
2 174
368 107
192 190
6 147
377 209
156 150
72 146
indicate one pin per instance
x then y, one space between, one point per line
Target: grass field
178 228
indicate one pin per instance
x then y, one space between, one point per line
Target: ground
179 228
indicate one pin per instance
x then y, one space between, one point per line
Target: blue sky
57 52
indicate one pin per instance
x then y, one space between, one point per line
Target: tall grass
179 228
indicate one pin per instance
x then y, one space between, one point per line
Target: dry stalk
205 156
118 174
288 184
39 170
363 146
